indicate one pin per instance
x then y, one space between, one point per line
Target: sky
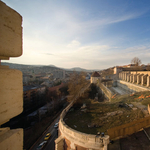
91 34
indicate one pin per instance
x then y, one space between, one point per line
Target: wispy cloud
48 53
73 44
106 20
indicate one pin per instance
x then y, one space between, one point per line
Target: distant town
47 90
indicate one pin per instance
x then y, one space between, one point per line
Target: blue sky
91 34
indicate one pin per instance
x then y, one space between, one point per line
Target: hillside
23 67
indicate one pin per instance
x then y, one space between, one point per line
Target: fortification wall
106 91
76 138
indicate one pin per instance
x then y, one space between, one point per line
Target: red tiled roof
55 87
95 74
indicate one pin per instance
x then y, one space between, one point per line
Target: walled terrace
80 122
123 116
70 139
101 116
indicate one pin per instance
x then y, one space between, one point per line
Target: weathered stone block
11 94
10 32
148 81
134 78
139 78
144 79
128 78
11 139
126 75
131 78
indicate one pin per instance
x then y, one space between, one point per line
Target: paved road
51 142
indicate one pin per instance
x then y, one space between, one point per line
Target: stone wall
106 91
112 76
128 128
140 72
131 87
78 139
11 87
137 77
10 32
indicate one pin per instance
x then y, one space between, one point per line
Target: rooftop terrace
101 116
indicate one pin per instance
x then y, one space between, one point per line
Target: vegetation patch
101 116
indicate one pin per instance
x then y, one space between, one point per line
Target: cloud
92 48
48 53
101 21
73 44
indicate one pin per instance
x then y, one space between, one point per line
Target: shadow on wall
130 86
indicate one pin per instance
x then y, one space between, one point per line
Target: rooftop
95 74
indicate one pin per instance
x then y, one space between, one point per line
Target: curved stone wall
77 138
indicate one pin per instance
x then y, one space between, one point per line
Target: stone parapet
11 87
82 139
10 32
11 92
11 139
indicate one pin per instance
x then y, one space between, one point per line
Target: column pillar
144 80
134 78
124 76
128 78
139 78
148 81
131 78
119 75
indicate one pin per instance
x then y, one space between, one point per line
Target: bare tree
77 82
148 67
136 61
